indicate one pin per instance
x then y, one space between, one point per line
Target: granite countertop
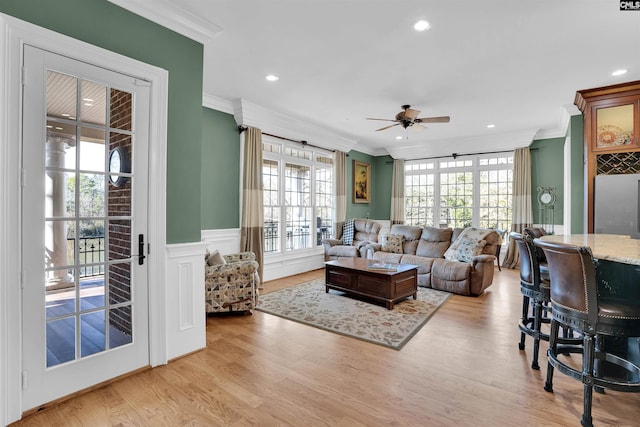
611 247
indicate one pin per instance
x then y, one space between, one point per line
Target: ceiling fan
408 117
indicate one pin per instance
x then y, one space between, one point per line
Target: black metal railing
91 253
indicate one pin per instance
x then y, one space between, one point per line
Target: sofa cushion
434 242
348 232
387 257
342 251
392 243
366 230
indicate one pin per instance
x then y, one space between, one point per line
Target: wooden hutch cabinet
611 134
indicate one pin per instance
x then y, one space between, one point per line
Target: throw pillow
466 249
392 243
348 232
216 258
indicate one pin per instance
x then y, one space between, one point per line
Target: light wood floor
462 368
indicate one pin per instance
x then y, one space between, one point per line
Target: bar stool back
575 304
535 291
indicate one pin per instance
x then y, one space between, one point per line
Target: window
475 191
298 197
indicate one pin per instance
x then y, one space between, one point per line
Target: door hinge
25 384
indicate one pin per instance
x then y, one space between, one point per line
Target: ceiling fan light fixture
422 25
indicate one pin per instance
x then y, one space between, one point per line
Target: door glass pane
92 336
91 292
119 283
93 107
78 211
60 300
614 125
119 239
92 149
62 91
120 326
61 341
121 110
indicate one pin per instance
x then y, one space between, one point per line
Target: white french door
84 216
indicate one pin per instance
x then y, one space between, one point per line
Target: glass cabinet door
614 126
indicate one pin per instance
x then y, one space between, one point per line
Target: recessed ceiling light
398 137
491 126
421 25
619 72
272 78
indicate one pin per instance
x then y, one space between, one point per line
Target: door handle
141 256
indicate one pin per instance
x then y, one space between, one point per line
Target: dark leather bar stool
535 292
536 233
575 304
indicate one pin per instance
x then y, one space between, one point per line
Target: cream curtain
252 226
397 193
521 214
340 169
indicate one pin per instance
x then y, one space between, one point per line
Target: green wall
359 210
383 167
547 170
106 25
220 171
576 133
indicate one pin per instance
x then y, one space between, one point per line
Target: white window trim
475 169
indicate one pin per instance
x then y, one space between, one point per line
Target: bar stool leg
525 319
587 379
537 327
553 352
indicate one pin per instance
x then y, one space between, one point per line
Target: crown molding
464 145
167 14
217 103
568 110
247 113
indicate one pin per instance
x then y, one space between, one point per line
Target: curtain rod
303 142
456 155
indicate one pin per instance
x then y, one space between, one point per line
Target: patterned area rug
309 304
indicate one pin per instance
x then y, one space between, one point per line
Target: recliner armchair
232 286
365 231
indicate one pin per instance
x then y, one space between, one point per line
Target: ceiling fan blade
411 114
384 120
418 127
442 119
387 127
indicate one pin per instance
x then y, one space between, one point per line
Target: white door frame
14 34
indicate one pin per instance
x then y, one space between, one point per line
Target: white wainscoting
227 241
185 308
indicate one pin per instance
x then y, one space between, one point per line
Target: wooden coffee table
355 277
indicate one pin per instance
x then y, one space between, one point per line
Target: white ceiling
516 64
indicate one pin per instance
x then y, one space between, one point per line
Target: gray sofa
426 247
365 232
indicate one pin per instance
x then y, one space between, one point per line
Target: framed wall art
361 182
